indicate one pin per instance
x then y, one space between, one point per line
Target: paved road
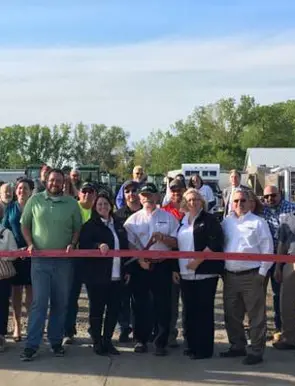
82 368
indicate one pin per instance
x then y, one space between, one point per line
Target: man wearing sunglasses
87 196
244 280
137 176
132 205
275 207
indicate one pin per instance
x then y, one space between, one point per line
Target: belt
239 273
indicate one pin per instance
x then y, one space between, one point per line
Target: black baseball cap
88 186
177 184
148 187
132 183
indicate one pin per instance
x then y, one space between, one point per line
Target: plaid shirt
273 218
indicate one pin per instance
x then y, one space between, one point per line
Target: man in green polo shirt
50 221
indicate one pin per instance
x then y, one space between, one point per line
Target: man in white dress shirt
154 229
228 193
244 280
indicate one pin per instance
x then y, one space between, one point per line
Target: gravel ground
82 320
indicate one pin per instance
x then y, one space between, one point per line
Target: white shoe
2 343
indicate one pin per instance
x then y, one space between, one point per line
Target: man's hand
176 277
193 264
158 237
104 248
144 264
70 247
30 248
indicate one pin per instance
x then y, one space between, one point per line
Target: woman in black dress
103 277
22 280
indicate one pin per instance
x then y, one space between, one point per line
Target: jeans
5 287
51 280
73 307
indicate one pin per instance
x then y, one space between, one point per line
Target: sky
140 64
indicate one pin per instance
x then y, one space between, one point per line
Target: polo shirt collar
55 199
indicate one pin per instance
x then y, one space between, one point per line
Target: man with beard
137 176
132 205
154 229
6 196
75 180
50 221
40 184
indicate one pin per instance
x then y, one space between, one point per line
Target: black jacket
208 233
93 233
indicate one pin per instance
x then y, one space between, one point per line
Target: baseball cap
132 183
177 184
149 187
88 186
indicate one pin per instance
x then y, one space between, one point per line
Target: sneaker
2 343
252 359
68 340
140 348
28 354
58 350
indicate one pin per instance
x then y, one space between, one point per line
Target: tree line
215 133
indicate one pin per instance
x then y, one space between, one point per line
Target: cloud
141 86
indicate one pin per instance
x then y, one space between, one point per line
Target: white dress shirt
141 225
185 239
116 269
247 234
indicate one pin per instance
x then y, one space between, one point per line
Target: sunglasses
90 191
131 191
272 195
242 200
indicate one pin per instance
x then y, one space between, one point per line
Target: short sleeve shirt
141 225
52 220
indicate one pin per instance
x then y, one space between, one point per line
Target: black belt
239 273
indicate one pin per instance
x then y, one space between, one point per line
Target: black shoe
252 359
281 345
187 352
160 352
124 336
233 353
111 349
195 356
28 354
140 348
99 349
58 350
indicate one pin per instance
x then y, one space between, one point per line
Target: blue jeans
51 280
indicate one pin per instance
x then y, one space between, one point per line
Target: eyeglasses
139 174
272 195
241 200
131 191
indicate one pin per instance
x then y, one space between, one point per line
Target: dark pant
103 299
5 287
73 307
276 289
158 284
198 298
125 310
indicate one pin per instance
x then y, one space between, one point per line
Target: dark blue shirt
11 220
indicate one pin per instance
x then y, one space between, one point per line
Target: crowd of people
142 295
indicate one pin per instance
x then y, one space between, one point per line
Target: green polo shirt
52 220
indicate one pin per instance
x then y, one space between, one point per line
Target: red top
170 208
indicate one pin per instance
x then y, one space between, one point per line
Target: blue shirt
11 221
273 216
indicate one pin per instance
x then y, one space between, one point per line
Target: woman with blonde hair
199 231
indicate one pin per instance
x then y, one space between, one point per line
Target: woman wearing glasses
199 231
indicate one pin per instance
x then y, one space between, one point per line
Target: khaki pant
288 303
244 293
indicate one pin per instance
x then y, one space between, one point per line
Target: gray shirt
286 232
